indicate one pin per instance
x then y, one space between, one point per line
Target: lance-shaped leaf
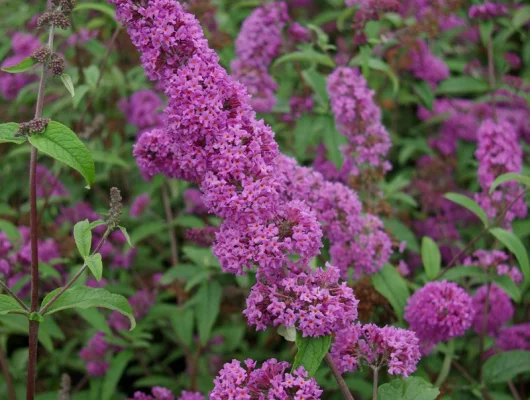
9 305
24 65
470 204
86 297
7 133
311 351
59 142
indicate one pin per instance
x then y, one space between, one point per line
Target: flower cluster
202 237
22 46
194 203
356 241
388 346
439 311
494 260
160 393
48 185
94 354
499 152
213 138
271 381
15 259
488 10
515 337
426 66
140 204
141 109
359 119
258 44
493 308
314 302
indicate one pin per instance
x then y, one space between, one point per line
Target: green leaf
81 91
183 323
7 133
507 284
403 233
456 273
425 93
287 332
510 177
68 84
306 55
332 138
430 255
145 230
83 237
317 81
126 234
25 65
392 286
59 142
505 366
114 374
101 7
9 305
514 244
86 297
367 63
311 351
35 316
380 65
95 265
462 85
468 203
207 309
94 317
521 17
412 388
91 75
11 231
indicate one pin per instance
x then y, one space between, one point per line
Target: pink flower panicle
271 381
439 311
395 348
94 354
359 119
356 241
22 46
488 10
212 138
140 204
314 302
160 393
194 203
257 45
516 337
426 66
494 260
498 152
48 185
202 237
499 311
141 109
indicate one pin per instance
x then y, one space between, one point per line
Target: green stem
446 367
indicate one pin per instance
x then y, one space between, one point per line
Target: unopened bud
113 219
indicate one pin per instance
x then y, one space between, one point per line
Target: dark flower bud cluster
66 5
56 65
56 18
113 219
37 125
41 55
